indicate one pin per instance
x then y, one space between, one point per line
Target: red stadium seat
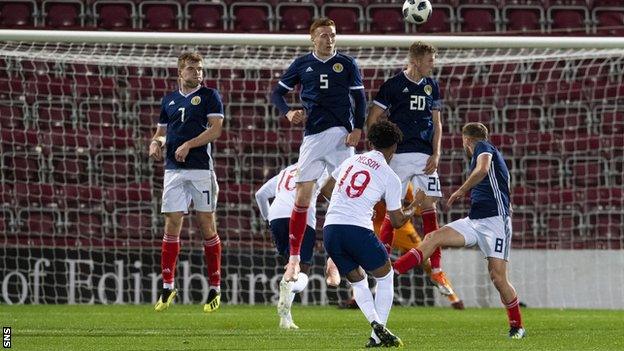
35 195
562 226
100 113
385 18
18 14
55 114
117 167
262 167
523 18
129 195
478 18
601 198
204 16
586 171
147 114
442 20
568 19
295 17
19 140
451 171
107 138
250 17
71 167
608 21
160 15
524 223
236 194
246 116
349 18
610 119
114 14
606 228
569 117
502 73
63 139
580 143
25 166
45 86
7 223
541 170
13 114
227 167
80 196
617 170
63 14
39 222
85 223
557 198
486 114
134 224
522 118
259 142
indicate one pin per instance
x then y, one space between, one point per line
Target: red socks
513 313
212 253
386 233
297 225
430 223
169 251
409 260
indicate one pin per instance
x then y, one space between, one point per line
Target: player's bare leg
297 225
169 257
332 276
212 255
498 273
443 237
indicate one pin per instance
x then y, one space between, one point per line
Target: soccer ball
417 11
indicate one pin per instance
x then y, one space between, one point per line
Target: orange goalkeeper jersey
406 237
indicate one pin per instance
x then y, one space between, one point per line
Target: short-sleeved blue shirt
490 197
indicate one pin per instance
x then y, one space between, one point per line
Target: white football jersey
282 188
361 181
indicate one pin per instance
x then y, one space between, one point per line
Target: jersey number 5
324 81
354 190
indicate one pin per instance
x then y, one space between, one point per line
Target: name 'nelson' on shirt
368 162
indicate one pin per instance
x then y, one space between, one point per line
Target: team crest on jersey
338 67
195 100
428 89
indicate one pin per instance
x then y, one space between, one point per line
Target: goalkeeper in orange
406 238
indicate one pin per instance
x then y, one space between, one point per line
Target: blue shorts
350 246
280 233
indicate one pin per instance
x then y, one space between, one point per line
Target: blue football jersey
325 87
490 197
186 116
410 105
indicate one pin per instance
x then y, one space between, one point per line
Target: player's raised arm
263 195
375 113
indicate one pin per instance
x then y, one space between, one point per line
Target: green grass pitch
186 327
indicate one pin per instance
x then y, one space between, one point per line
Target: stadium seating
114 14
294 17
205 16
19 14
63 14
160 15
251 17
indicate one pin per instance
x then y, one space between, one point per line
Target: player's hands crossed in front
181 152
353 138
419 197
296 116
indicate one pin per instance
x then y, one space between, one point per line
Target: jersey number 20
354 190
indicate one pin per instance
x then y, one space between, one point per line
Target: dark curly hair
384 134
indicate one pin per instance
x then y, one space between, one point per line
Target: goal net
80 201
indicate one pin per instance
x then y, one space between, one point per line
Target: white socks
384 296
364 299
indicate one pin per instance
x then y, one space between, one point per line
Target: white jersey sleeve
393 193
284 189
263 195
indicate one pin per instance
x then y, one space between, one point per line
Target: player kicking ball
277 213
353 189
488 224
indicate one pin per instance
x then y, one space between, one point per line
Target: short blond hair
321 22
475 130
419 49
187 57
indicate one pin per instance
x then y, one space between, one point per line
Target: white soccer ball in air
417 11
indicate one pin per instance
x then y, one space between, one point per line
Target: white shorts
492 234
183 185
409 167
326 149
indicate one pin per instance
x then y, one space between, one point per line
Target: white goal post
80 219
